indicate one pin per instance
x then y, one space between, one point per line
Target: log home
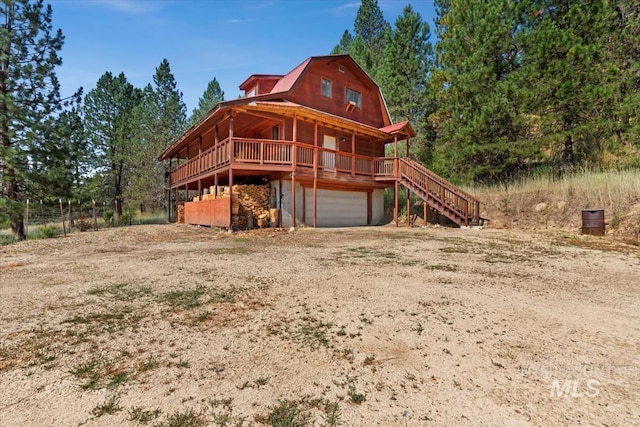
317 137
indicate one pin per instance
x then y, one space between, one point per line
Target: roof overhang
267 104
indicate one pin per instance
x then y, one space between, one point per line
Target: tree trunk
9 184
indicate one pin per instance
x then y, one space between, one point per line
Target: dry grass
540 202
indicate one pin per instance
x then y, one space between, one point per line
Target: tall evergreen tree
160 118
111 127
366 47
171 108
212 95
344 45
482 128
29 97
403 76
622 53
564 62
371 27
61 161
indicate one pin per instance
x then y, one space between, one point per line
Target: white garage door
337 208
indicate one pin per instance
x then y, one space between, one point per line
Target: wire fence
52 218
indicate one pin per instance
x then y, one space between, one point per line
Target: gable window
354 97
326 88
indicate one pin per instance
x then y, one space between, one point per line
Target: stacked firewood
250 206
247 199
180 217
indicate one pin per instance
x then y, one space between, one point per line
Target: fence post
80 220
26 223
71 224
95 218
64 228
42 213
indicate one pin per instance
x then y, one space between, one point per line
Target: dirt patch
180 325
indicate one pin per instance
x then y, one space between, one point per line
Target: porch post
232 153
315 173
353 153
369 207
395 146
215 183
294 138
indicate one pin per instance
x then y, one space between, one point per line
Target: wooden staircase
438 193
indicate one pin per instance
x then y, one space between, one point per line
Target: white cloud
131 7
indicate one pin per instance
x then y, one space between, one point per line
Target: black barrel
593 222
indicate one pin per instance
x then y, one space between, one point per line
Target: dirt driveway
177 325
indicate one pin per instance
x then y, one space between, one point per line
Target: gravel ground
179 325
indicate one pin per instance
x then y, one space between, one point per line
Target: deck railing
430 185
288 155
251 151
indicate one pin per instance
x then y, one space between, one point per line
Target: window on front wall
326 88
355 97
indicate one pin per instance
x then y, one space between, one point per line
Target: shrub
46 232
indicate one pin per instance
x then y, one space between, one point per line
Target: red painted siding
309 92
210 213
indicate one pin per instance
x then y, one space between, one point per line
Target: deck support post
304 204
315 174
424 212
395 202
293 199
369 207
408 207
169 192
230 198
215 184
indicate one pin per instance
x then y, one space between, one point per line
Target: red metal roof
286 83
402 127
252 78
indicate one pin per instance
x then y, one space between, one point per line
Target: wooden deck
262 155
271 155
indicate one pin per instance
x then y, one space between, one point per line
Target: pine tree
403 74
171 108
61 160
483 132
160 118
212 95
29 98
564 51
366 47
111 128
344 45
371 27
622 53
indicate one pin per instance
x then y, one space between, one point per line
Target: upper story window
355 97
326 88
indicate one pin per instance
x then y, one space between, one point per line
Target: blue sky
229 40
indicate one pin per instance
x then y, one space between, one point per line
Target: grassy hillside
542 203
